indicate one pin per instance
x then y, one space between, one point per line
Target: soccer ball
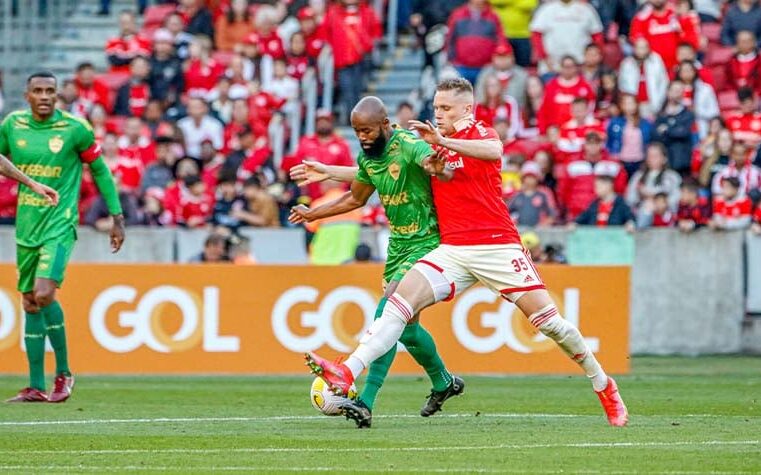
324 400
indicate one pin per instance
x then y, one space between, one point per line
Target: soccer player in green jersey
394 163
51 146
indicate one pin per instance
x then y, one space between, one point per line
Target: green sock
421 346
34 339
57 334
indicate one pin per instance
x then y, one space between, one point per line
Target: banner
196 319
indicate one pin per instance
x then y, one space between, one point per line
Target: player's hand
299 215
309 172
427 131
117 233
434 164
50 194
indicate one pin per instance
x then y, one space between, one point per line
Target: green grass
699 415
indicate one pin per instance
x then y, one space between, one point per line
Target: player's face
41 96
450 107
370 133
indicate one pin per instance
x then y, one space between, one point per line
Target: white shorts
506 269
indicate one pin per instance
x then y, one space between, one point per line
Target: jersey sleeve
87 147
419 150
362 176
4 139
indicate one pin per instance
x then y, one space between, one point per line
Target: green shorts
47 261
403 254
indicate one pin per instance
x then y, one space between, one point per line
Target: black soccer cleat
437 398
357 411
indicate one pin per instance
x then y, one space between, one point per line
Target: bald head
369 119
370 109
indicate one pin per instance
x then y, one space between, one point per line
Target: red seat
718 55
712 31
719 75
728 101
154 15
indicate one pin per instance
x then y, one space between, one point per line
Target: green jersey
404 188
51 152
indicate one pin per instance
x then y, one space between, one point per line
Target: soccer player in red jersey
479 243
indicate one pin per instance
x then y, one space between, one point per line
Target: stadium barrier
239 319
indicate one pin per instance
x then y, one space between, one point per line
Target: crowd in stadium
612 112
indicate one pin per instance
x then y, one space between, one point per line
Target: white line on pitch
576 445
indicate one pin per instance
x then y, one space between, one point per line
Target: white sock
382 334
569 339
355 365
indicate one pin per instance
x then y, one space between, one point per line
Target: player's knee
44 296
442 288
30 306
549 322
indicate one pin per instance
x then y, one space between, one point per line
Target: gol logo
508 324
200 320
328 321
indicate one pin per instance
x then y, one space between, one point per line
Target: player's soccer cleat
62 387
337 375
29 395
613 404
357 411
437 398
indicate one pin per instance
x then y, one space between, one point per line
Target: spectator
240 251
214 250
351 28
686 52
241 70
175 25
99 217
154 119
655 177
743 68
233 25
153 208
475 31
593 67
692 214
560 92
121 50
428 17
362 254
745 124
575 187
698 96
516 18
742 15
673 128
298 61
498 105
221 104
714 157
69 101
196 203
270 44
212 163
405 112
534 100
314 34
201 71
660 25
260 208
644 76
573 132
709 10
8 193
228 204
629 134
97 119
166 77
282 86
252 154
159 174
608 208
133 97
335 238
199 126
127 167
531 206
740 167
239 119
89 91
731 210
606 105
689 22
198 19
512 78
656 213
135 143
620 12
563 28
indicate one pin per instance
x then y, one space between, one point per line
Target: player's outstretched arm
486 149
107 188
7 168
349 201
310 172
436 166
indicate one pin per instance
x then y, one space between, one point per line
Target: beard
324 131
376 148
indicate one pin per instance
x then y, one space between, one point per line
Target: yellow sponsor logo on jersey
55 144
395 200
394 169
409 229
21 143
43 171
28 199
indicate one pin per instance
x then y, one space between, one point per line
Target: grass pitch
699 415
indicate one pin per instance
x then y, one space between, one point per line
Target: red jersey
315 42
8 192
470 206
665 220
96 93
334 151
297 66
129 168
576 182
210 173
139 95
351 30
745 127
743 71
262 107
200 78
230 137
255 158
144 149
738 208
573 134
127 48
663 30
698 213
558 96
271 45
757 214
603 213
195 211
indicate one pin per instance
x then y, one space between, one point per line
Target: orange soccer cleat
337 375
614 406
